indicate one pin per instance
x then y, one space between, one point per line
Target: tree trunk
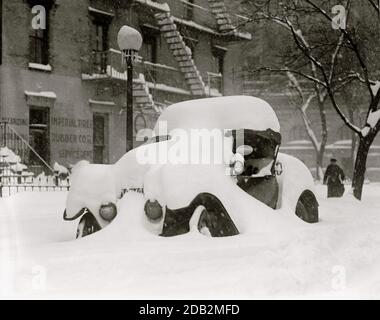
322 147
319 165
361 165
354 139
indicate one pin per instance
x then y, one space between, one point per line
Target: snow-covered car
210 162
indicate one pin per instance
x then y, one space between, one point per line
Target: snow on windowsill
91 9
160 6
43 94
105 103
39 66
164 87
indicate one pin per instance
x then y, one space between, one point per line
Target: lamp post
129 41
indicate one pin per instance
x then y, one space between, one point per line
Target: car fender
293 181
95 184
181 184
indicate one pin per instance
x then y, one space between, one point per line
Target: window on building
100 137
149 49
39 42
99 40
298 133
39 135
218 60
189 14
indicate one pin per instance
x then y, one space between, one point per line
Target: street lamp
129 41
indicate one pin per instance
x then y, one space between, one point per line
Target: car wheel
214 218
87 225
307 207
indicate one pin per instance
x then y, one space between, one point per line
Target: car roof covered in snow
232 112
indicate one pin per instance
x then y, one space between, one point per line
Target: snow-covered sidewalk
336 258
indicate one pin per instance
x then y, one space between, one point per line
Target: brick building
63 88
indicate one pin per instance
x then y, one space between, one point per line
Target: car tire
307 207
87 225
215 218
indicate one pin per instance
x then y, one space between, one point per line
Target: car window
264 144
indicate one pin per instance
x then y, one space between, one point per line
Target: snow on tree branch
375 87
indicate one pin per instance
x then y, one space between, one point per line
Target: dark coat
334 177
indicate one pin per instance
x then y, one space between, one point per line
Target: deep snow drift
336 258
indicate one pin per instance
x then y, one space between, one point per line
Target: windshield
264 144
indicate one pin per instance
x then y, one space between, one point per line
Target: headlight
108 211
153 210
239 167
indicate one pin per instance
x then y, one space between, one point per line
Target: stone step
223 21
140 93
191 75
226 27
186 63
216 4
221 15
171 34
198 92
171 40
163 15
168 27
193 81
197 86
219 11
182 58
176 46
181 52
142 100
165 21
189 69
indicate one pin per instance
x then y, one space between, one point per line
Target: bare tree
366 67
297 68
341 55
305 97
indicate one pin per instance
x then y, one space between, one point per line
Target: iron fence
22 168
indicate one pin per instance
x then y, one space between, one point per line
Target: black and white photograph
189 150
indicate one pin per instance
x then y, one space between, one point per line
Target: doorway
100 138
39 135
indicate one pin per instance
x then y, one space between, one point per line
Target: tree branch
285 70
354 45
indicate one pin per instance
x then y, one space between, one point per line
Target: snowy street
335 258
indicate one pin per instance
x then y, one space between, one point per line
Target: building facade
63 82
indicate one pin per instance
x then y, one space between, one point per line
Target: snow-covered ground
336 258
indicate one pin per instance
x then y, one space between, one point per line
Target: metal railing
202 14
198 13
11 139
161 75
11 183
22 168
109 65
